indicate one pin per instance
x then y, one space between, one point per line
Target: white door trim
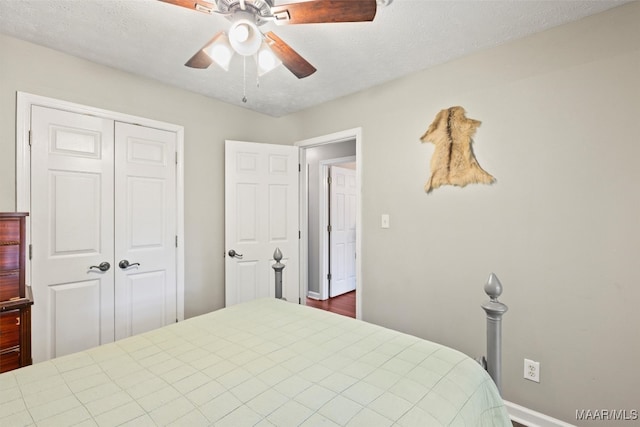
342 136
23 168
323 202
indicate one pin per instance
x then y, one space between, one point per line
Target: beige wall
560 227
34 69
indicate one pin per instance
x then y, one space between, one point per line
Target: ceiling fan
245 38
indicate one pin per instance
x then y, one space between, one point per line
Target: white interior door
71 232
145 229
261 214
102 192
342 215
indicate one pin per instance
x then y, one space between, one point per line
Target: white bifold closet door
103 227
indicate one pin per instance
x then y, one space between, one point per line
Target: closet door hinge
176 240
329 228
329 180
299 234
29 138
30 250
176 157
329 276
299 167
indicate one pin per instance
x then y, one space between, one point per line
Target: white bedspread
262 363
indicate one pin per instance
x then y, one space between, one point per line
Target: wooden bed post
494 310
278 267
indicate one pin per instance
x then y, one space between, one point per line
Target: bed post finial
493 287
494 309
278 267
277 255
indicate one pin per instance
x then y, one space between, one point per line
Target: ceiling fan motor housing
257 8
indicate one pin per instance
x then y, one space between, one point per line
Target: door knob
104 266
234 254
125 264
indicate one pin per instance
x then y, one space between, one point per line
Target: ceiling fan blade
201 59
199 5
289 57
320 11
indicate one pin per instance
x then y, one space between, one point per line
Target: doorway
340 147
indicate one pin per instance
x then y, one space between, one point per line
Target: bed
265 362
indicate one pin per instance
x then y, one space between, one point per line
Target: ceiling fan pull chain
244 79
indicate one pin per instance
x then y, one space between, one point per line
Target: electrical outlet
532 370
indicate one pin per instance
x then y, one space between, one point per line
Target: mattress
262 363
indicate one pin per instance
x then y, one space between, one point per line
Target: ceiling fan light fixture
220 51
241 32
221 55
266 60
245 38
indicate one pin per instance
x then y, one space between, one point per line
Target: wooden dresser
15 298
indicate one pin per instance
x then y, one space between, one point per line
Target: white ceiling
154 40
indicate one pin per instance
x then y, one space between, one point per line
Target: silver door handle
234 254
104 266
124 264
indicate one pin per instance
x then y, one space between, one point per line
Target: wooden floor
343 304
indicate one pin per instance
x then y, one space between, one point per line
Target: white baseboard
530 418
313 295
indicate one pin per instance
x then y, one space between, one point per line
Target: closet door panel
145 203
72 187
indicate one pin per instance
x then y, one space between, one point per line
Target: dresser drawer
9 329
9 257
10 230
10 360
15 298
9 285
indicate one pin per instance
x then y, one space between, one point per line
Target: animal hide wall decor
453 161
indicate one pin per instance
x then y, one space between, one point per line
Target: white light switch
385 221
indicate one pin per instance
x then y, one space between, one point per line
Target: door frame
333 138
23 168
324 205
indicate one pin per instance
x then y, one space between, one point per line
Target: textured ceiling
154 39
